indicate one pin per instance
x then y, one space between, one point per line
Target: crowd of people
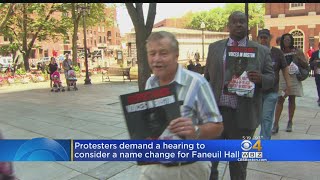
222 115
227 115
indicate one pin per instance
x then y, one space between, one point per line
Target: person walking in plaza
53 66
67 65
294 58
200 116
198 63
191 66
196 56
198 67
270 96
315 66
241 115
310 51
309 54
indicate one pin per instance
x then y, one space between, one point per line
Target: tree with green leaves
5 15
143 29
31 22
95 15
216 19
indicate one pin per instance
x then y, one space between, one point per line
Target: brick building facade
302 20
171 22
99 36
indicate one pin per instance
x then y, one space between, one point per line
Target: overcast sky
164 10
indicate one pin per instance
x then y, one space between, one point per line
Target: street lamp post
85 8
246 9
202 26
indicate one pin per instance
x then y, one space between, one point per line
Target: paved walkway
93 112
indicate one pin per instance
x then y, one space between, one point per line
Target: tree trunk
75 19
24 39
143 70
142 33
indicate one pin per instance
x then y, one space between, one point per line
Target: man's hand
183 127
255 76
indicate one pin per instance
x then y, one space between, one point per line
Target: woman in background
294 58
53 66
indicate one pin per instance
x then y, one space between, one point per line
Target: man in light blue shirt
200 116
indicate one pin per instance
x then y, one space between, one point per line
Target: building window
46 54
311 42
95 43
41 52
104 39
102 28
100 39
298 39
296 6
109 33
5 39
33 54
98 28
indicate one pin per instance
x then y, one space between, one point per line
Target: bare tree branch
133 13
139 9
142 32
151 16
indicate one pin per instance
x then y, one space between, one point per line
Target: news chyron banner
43 149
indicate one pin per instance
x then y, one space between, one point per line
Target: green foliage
93 18
7 49
33 21
76 69
20 71
216 19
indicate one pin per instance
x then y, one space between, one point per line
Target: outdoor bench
115 71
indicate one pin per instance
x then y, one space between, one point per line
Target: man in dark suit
315 66
241 115
191 66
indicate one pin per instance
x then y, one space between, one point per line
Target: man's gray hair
164 34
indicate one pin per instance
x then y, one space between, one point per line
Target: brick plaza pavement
94 112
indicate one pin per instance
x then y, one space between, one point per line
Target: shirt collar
242 41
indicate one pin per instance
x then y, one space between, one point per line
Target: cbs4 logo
246 145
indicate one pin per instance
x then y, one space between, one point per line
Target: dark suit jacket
315 55
249 110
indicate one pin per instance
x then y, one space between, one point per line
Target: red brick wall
172 22
274 9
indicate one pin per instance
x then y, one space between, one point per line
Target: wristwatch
197 131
